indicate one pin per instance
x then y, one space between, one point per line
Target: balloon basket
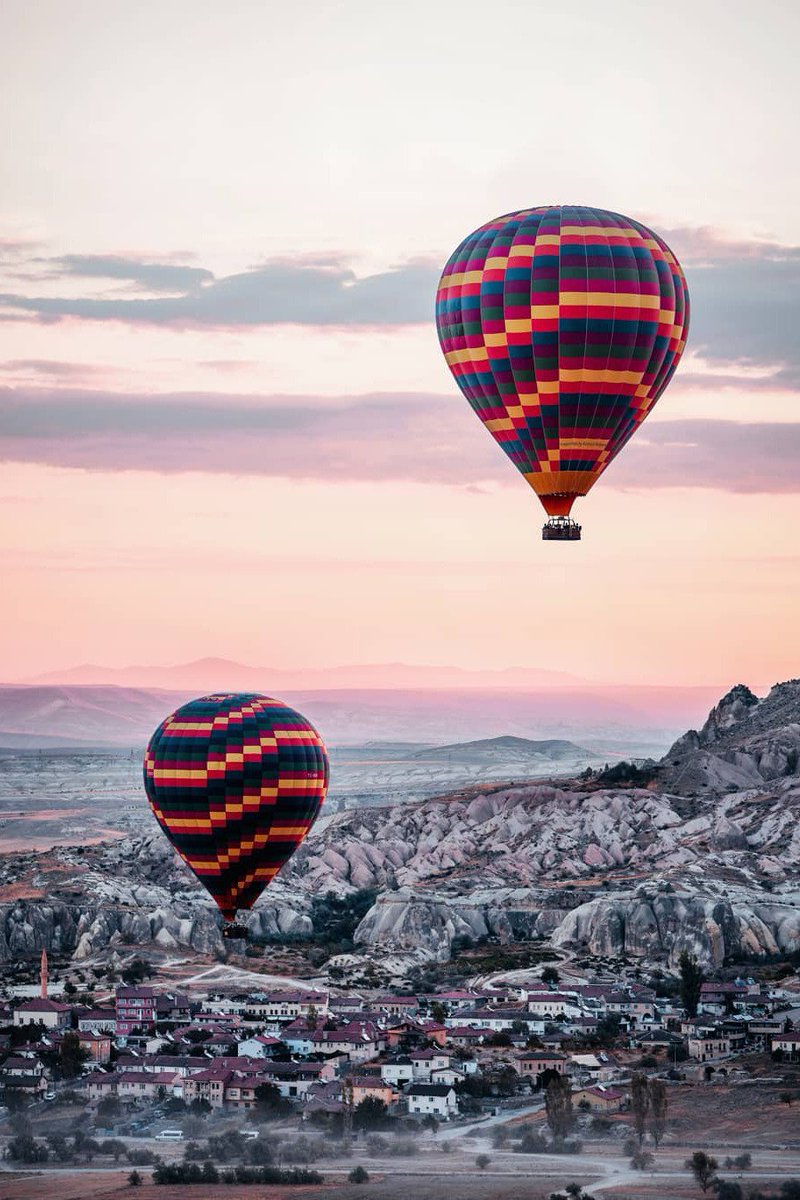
561 529
234 932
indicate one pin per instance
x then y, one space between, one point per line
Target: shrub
482 1162
358 1175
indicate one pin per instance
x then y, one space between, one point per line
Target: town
145 1071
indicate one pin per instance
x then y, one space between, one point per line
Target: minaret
43 975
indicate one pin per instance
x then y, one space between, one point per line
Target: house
788 1044
467 1036
141 1007
719 998
359 1041
293 1079
552 1005
425 1062
458 1000
299 1035
707 1046
97 1020
761 1033
100 1084
50 1013
498 1020
96 1044
369 1087
263 1045
345 1007
599 1067
397 1071
29 1081
208 1085
144 1085
24 1073
398 1006
434 1031
286 1006
599 1098
535 1062
453 1074
431 1099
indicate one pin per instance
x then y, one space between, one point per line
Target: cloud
745 296
374 438
733 456
704 245
279 292
152 276
52 368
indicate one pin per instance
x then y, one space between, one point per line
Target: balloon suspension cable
561 529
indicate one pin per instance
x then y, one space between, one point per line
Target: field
723 1120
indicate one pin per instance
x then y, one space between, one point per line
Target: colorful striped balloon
236 782
562 327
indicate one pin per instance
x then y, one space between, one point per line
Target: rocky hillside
706 857
744 743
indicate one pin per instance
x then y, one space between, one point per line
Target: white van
250 1134
170 1135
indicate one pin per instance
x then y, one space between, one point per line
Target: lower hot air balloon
562 326
236 781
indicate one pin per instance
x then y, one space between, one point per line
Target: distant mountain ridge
215 674
639 721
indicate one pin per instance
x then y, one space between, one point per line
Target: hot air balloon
236 781
562 326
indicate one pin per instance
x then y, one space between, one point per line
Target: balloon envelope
562 326
236 782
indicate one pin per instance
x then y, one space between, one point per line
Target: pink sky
225 425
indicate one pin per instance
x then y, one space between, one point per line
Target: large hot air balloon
562 327
236 782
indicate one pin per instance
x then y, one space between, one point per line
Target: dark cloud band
411 437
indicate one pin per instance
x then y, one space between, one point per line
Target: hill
509 749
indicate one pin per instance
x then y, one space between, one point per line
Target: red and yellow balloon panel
236 781
562 326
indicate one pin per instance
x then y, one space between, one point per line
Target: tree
728 1190
134 1179
114 1147
72 1056
704 1168
482 1162
550 975
358 1175
558 1106
692 978
642 1160
438 1012
107 1110
59 1147
786 1097
269 1102
607 1030
640 1104
657 1120
371 1113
